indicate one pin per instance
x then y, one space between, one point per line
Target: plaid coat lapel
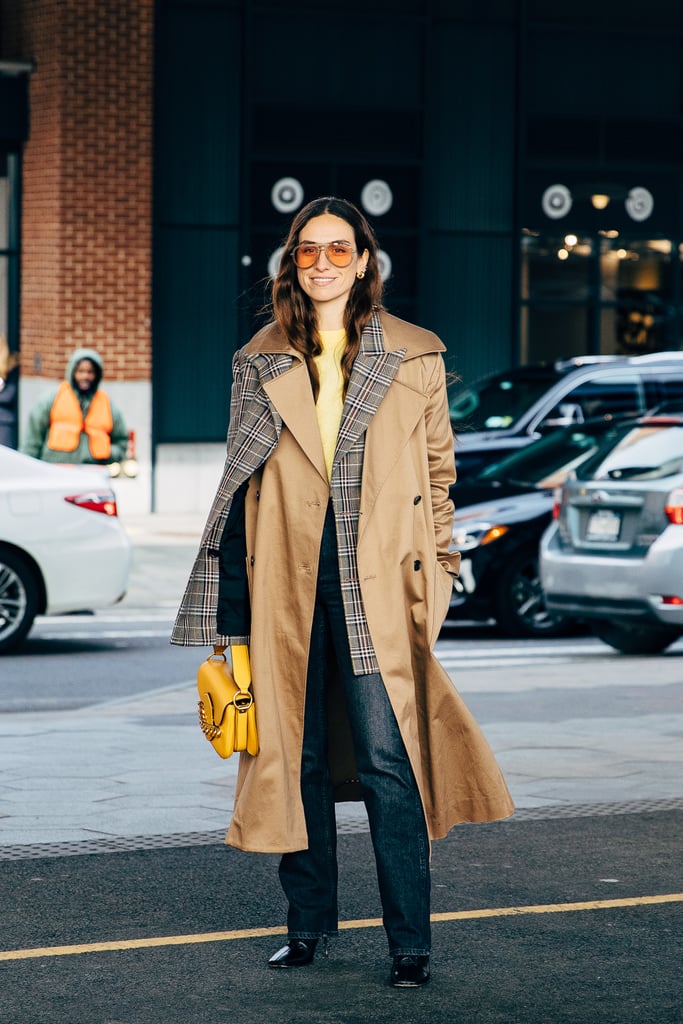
373 371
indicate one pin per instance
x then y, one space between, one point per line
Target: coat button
251 560
417 499
417 565
258 495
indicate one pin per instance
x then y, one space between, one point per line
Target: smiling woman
327 551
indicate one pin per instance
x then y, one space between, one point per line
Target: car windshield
648 451
498 401
547 462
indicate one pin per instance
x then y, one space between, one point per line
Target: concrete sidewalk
113 773
164 548
156 528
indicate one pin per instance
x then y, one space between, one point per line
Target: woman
335 498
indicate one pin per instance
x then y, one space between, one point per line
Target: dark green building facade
520 160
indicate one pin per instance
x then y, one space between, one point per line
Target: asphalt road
75 661
78 660
542 922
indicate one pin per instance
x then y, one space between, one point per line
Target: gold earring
360 275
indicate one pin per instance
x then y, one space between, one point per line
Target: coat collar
384 333
386 341
373 371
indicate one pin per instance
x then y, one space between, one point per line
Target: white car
62 545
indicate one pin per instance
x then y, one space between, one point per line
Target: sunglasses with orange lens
339 254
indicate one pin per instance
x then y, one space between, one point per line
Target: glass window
608 293
607 395
558 291
556 268
664 393
642 452
547 463
552 333
496 402
636 290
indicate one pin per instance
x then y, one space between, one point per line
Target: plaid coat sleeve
253 434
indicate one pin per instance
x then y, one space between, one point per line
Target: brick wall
87 199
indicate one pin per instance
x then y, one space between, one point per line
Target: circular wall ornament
384 263
639 204
376 197
287 195
274 261
556 201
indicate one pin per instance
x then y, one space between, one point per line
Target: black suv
507 410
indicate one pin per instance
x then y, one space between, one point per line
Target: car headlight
466 536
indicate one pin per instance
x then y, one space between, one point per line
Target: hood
74 360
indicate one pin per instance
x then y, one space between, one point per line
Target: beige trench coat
405 578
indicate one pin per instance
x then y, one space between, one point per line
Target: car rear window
546 462
648 451
497 402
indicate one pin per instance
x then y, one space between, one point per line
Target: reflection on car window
606 395
646 452
497 402
664 393
547 462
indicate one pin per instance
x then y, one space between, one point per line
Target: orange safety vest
67 423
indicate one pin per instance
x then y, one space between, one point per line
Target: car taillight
557 502
96 501
674 507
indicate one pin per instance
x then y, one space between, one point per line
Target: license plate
604 525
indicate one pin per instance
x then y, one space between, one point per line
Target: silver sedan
614 552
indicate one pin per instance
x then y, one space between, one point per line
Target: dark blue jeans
395 814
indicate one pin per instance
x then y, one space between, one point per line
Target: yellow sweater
330 399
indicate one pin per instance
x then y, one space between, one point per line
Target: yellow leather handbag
227 715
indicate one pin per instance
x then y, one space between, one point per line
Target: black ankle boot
297 953
409 971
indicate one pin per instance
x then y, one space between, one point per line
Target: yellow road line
372 922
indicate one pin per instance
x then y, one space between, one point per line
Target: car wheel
520 608
19 595
632 639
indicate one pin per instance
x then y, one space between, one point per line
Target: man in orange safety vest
77 422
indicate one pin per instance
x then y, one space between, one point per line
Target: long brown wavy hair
294 311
